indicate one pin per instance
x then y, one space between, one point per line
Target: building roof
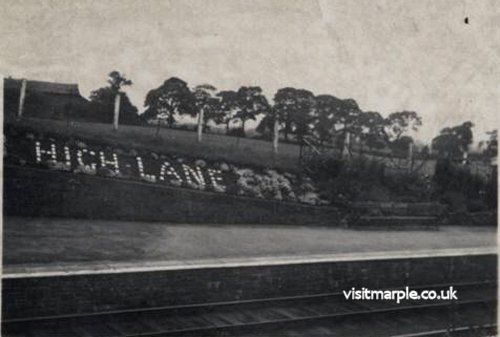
43 87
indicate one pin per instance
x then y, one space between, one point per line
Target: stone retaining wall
77 294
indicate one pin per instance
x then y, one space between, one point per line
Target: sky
389 55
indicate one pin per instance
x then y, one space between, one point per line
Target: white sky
388 55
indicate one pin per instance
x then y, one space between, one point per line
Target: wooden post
22 96
116 116
410 156
200 125
275 136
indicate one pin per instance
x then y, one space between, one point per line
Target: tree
491 150
295 111
117 81
228 105
328 112
303 114
399 123
172 98
349 112
401 145
207 106
347 121
103 100
283 105
454 142
335 117
269 127
266 124
371 129
250 103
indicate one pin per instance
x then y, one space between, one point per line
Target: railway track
311 315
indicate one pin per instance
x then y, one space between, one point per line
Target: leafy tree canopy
117 80
329 113
454 141
370 126
295 109
250 103
172 98
399 123
206 101
228 105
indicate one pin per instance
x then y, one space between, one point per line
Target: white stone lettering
39 152
113 162
195 173
215 179
140 166
67 156
79 159
168 170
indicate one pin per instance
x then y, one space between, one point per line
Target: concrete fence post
116 116
347 141
275 136
22 97
200 125
465 156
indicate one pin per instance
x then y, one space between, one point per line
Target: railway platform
79 278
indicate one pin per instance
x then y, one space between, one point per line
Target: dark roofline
43 87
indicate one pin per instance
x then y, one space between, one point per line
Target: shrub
324 168
362 178
476 193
